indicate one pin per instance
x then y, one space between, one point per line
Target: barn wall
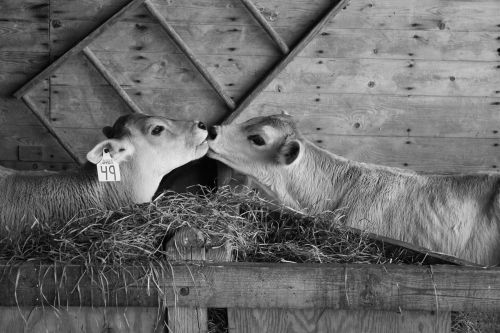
411 83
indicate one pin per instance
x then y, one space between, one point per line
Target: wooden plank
23 36
395 77
85 107
381 115
435 155
82 139
203 105
38 166
22 61
285 61
96 107
337 321
279 13
79 319
186 244
86 9
15 112
259 17
189 244
25 11
404 44
467 15
202 39
111 80
186 50
77 48
146 71
14 135
62 142
263 285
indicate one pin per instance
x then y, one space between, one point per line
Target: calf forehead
122 125
282 123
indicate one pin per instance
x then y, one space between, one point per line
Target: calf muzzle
212 132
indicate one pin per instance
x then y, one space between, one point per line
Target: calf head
259 147
148 147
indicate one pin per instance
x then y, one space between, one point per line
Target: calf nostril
212 133
202 125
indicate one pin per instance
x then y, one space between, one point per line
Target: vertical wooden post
189 244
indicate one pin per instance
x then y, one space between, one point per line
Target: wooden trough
257 297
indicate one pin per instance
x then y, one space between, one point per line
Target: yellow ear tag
107 169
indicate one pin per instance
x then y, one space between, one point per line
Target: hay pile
137 234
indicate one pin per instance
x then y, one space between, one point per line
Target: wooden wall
410 83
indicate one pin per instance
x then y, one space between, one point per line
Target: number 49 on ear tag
107 169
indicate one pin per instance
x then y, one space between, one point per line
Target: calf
457 214
146 148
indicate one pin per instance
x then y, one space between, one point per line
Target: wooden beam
260 285
285 61
257 15
50 128
77 48
189 54
111 80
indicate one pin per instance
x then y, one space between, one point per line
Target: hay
137 234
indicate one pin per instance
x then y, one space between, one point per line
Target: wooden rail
285 61
260 285
190 54
27 100
77 48
257 15
111 80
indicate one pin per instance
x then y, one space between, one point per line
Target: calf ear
118 149
108 131
289 152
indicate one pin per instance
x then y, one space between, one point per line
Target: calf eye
157 130
257 140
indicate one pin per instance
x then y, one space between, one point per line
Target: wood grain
96 107
23 36
404 44
25 11
189 244
15 112
336 321
263 285
14 135
261 19
378 115
85 107
37 166
108 76
287 60
395 77
468 15
77 48
148 37
434 155
167 72
188 53
22 61
79 319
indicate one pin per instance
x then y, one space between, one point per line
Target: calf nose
202 125
212 132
